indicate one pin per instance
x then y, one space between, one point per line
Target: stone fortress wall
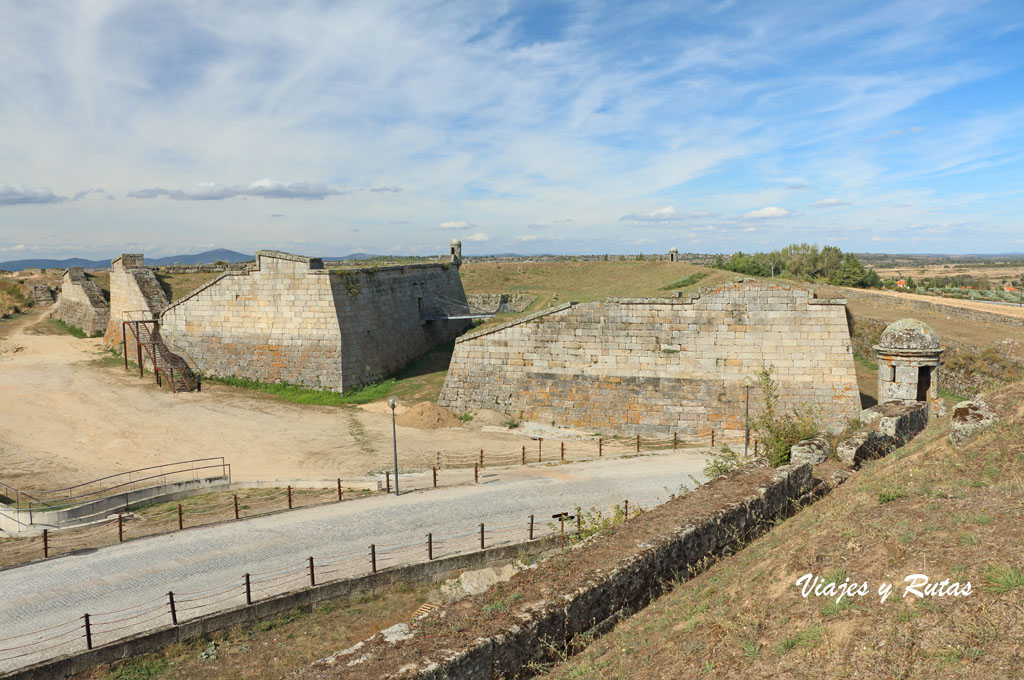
657 366
81 303
133 289
287 319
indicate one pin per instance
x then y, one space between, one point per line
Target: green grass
685 281
68 328
865 362
1001 579
297 394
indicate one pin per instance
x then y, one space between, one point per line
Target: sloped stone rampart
290 320
133 288
81 303
657 366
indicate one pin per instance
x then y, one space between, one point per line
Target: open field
925 509
997 271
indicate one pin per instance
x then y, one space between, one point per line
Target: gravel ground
137 575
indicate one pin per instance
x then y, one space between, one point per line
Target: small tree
778 433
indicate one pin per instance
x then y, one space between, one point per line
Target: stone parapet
81 303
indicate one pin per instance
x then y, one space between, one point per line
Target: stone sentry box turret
908 364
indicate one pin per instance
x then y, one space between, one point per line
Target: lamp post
392 402
747 384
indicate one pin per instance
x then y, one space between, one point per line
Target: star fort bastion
289 319
662 365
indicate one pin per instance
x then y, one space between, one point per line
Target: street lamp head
392 402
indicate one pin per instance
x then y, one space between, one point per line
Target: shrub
778 433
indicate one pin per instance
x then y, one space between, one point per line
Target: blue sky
327 128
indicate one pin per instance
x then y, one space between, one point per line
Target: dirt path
69 416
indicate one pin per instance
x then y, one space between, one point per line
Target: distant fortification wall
81 303
290 320
133 288
655 366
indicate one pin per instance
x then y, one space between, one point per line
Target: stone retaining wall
81 303
657 366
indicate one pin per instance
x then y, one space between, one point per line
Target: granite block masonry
290 320
662 365
81 303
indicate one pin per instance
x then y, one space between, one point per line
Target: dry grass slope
926 509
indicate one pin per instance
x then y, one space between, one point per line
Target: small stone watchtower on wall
908 364
673 254
456 251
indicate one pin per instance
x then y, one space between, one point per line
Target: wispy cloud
391 189
666 215
455 225
829 203
768 212
264 188
18 194
478 237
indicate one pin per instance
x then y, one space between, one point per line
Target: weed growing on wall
778 433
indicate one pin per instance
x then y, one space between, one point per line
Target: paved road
47 594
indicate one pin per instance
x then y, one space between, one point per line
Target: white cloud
265 188
17 194
829 203
664 215
528 237
392 189
768 212
456 225
479 237
82 194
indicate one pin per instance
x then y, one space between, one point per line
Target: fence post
481 457
289 496
435 477
312 573
712 438
387 480
524 454
430 546
88 633
540 446
248 590
579 520
476 474
755 447
174 611
437 459
46 543
561 530
373 558
481 535
124 344
120 528
600 446
531 527
638 443
339 488
236 506
626 504
181 518
562 452
675 440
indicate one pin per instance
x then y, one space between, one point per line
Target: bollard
435 477
46 543
236 506
373 558
524 454
312 574
600 446
531 527
289 496
387 479
481 457
174 611
339 488
476 474
481 535
248 590
563 450
88 633
675 440
120 528
181 518
430 546
638 443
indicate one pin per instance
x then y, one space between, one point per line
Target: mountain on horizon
208 257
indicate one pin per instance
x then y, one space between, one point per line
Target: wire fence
445 469
93 629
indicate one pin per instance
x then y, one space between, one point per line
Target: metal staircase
168 367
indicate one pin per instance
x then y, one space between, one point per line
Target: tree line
805 262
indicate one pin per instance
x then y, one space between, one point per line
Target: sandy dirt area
67 416
994 308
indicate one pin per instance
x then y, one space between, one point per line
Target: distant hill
353 256
209 257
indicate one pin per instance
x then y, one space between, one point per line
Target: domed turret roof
908 334
456 242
